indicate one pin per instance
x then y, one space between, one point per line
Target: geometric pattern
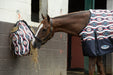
101 22
21 38
97 36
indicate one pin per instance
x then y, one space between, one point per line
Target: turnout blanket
97 36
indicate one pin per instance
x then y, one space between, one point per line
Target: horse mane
78 13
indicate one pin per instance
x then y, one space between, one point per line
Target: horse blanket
97 36
21 38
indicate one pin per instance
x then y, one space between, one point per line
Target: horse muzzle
37 43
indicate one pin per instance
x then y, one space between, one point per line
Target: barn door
75 56
77 60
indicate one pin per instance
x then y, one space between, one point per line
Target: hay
34 53
14 29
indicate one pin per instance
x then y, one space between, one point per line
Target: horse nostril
44 30
37 43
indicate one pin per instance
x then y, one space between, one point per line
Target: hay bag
21 37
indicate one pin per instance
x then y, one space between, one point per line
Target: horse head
44 32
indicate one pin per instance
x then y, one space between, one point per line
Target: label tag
105 46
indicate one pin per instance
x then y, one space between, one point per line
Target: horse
71 23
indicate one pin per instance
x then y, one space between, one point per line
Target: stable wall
52 56
8 10
109 57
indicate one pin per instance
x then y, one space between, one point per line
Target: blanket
97 36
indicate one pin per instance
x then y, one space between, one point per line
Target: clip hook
18 13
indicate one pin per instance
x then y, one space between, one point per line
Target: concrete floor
75 73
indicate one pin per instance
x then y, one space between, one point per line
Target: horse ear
48 18
43 16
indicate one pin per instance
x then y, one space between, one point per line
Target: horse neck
71 23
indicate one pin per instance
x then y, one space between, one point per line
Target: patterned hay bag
97 36
21 36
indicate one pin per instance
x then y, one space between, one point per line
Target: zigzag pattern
21 39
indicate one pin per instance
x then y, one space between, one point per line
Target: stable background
60 53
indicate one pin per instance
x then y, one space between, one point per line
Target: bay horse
72 23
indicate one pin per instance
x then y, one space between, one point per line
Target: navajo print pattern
97 36
21 38
101 22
